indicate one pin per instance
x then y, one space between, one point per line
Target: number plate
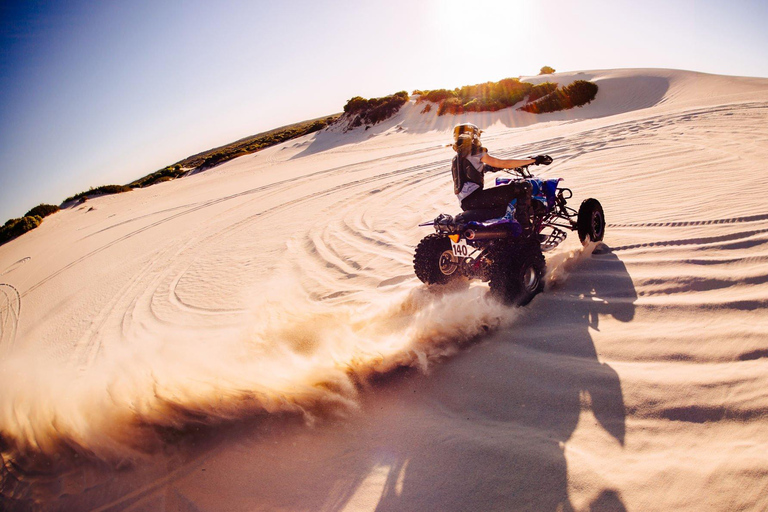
460 248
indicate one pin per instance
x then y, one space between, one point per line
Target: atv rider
472 161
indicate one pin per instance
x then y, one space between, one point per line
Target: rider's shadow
515 401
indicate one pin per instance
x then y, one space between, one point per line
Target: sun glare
492 37
482 19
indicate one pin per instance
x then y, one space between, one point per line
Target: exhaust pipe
472 234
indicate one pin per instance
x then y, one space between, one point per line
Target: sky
101 92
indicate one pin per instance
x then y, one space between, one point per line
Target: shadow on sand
511 404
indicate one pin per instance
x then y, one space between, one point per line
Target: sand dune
253 337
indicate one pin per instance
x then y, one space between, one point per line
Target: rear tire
517 273
591 221
434 262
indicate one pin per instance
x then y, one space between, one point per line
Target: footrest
552 240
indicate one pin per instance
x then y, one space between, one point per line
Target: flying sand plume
294 355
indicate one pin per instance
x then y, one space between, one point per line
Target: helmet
462 133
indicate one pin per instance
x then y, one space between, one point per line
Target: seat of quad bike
481 214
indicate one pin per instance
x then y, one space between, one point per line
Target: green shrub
254 143
581 92
482 105
485 97
438 95
161 179
219 158
546 70
577 94
541 90
103 190
168 173
374 110
238 148
506 92
355 104
514 98
450 106
512 83
42 210
427 108
17 227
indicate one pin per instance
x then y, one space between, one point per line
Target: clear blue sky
99 92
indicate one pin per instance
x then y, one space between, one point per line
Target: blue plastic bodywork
543 191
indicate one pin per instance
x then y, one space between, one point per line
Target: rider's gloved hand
542 160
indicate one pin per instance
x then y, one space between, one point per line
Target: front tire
591 221
434 262
517 273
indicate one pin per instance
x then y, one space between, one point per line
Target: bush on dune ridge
256 143
493 96
16 227
375 110
485 97
577 94
166 174
541 90
42 210
435 96
99 191
245 146
200 160
450 106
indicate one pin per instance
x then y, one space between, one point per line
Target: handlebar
522 171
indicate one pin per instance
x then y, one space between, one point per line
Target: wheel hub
597 224
530 279
448 263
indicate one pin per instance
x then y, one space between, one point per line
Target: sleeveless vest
468 169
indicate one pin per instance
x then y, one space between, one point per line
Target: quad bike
490 245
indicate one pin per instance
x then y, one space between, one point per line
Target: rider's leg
503 196
497 196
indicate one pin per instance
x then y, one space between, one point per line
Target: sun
480 19
490 33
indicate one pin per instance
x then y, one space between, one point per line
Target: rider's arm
505 164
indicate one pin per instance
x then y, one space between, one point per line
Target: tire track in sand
10 311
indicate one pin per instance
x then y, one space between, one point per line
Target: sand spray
291 354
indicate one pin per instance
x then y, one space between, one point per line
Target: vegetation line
485 97
17 227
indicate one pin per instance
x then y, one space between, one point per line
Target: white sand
228 341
